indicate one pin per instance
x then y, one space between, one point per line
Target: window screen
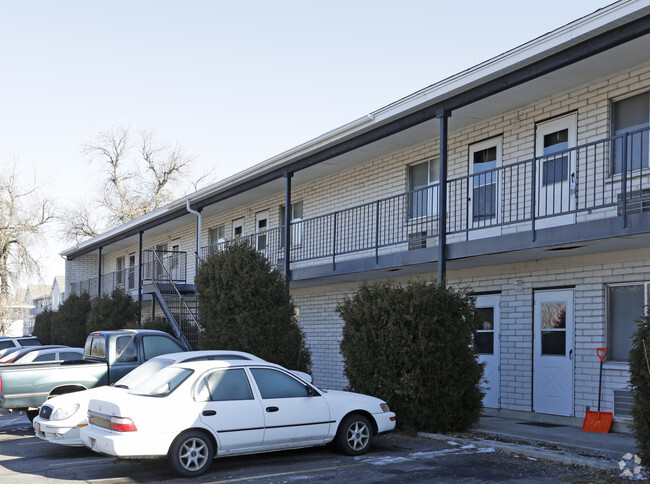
629 116
625 307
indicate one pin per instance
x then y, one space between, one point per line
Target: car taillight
122 424
0 384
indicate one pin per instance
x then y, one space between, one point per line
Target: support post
287 226
99 271
140 235
442 199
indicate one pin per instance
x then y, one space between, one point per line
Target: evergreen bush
117 311
412 345
43 326
245 305
639 360
69 321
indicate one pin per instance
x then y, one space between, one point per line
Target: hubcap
358 435
193 454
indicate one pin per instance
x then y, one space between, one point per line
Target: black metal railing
606 178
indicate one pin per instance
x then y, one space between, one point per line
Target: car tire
191 453
354 436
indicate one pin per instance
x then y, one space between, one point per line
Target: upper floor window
485 158
217 235
631 117
296 225
423 184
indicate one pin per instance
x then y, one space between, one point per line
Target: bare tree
139 174
23 215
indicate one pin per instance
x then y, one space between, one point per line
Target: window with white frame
296 222
485 159
423 185
626 303
217 235
119 271
631 118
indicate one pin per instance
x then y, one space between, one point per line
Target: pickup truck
107 357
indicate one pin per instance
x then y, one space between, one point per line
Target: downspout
198 232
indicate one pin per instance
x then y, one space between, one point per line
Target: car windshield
143 372
162 383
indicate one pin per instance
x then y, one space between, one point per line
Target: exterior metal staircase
179 307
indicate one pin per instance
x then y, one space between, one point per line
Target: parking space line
281 474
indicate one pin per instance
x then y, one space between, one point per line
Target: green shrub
639 360
69 321
245 305
43 326
412 345
117 311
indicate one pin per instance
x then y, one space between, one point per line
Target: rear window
95 347
6 344
162 383
29 342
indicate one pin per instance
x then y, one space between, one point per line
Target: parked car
66 353
60 418
194 411
108 356
7 343
19 352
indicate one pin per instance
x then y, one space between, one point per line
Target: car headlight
62 413
384 407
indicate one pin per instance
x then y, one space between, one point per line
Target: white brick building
544 154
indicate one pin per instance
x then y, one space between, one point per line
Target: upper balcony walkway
592 191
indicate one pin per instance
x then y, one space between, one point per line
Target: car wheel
354 436
191 453
32 414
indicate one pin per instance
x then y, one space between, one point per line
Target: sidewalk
560 443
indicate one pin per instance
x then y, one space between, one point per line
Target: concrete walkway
565 444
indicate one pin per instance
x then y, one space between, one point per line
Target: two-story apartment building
525 178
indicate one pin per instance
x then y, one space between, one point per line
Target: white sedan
193 412
61 417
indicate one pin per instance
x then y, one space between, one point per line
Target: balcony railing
603 179
158 262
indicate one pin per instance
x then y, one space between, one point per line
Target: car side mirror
310 391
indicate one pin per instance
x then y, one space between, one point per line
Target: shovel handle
601 352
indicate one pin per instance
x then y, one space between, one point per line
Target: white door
261 226
553 352
485 195
237 228
487 342
556 178
175 262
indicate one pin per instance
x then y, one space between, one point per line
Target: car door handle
272 409
209 413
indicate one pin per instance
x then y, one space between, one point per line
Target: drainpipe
198 231
442 198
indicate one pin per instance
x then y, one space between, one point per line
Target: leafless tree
139 175
23 216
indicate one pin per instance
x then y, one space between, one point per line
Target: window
555 169
626 304
296 223
162 383
225 385
126 348
276 384
131 271
119 271
159 345
484 336
423 183
628 117
217 235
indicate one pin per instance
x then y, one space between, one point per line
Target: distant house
525 178
38 298
12 323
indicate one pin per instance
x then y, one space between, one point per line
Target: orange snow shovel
598 421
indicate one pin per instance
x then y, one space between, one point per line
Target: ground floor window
626 304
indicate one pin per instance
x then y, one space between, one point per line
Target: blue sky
236 82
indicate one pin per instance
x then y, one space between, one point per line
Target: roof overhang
604 42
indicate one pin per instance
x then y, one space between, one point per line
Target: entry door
553 352
175 262
261 225
237 228
556 178
487 342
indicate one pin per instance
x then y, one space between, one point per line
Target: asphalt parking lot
398 458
